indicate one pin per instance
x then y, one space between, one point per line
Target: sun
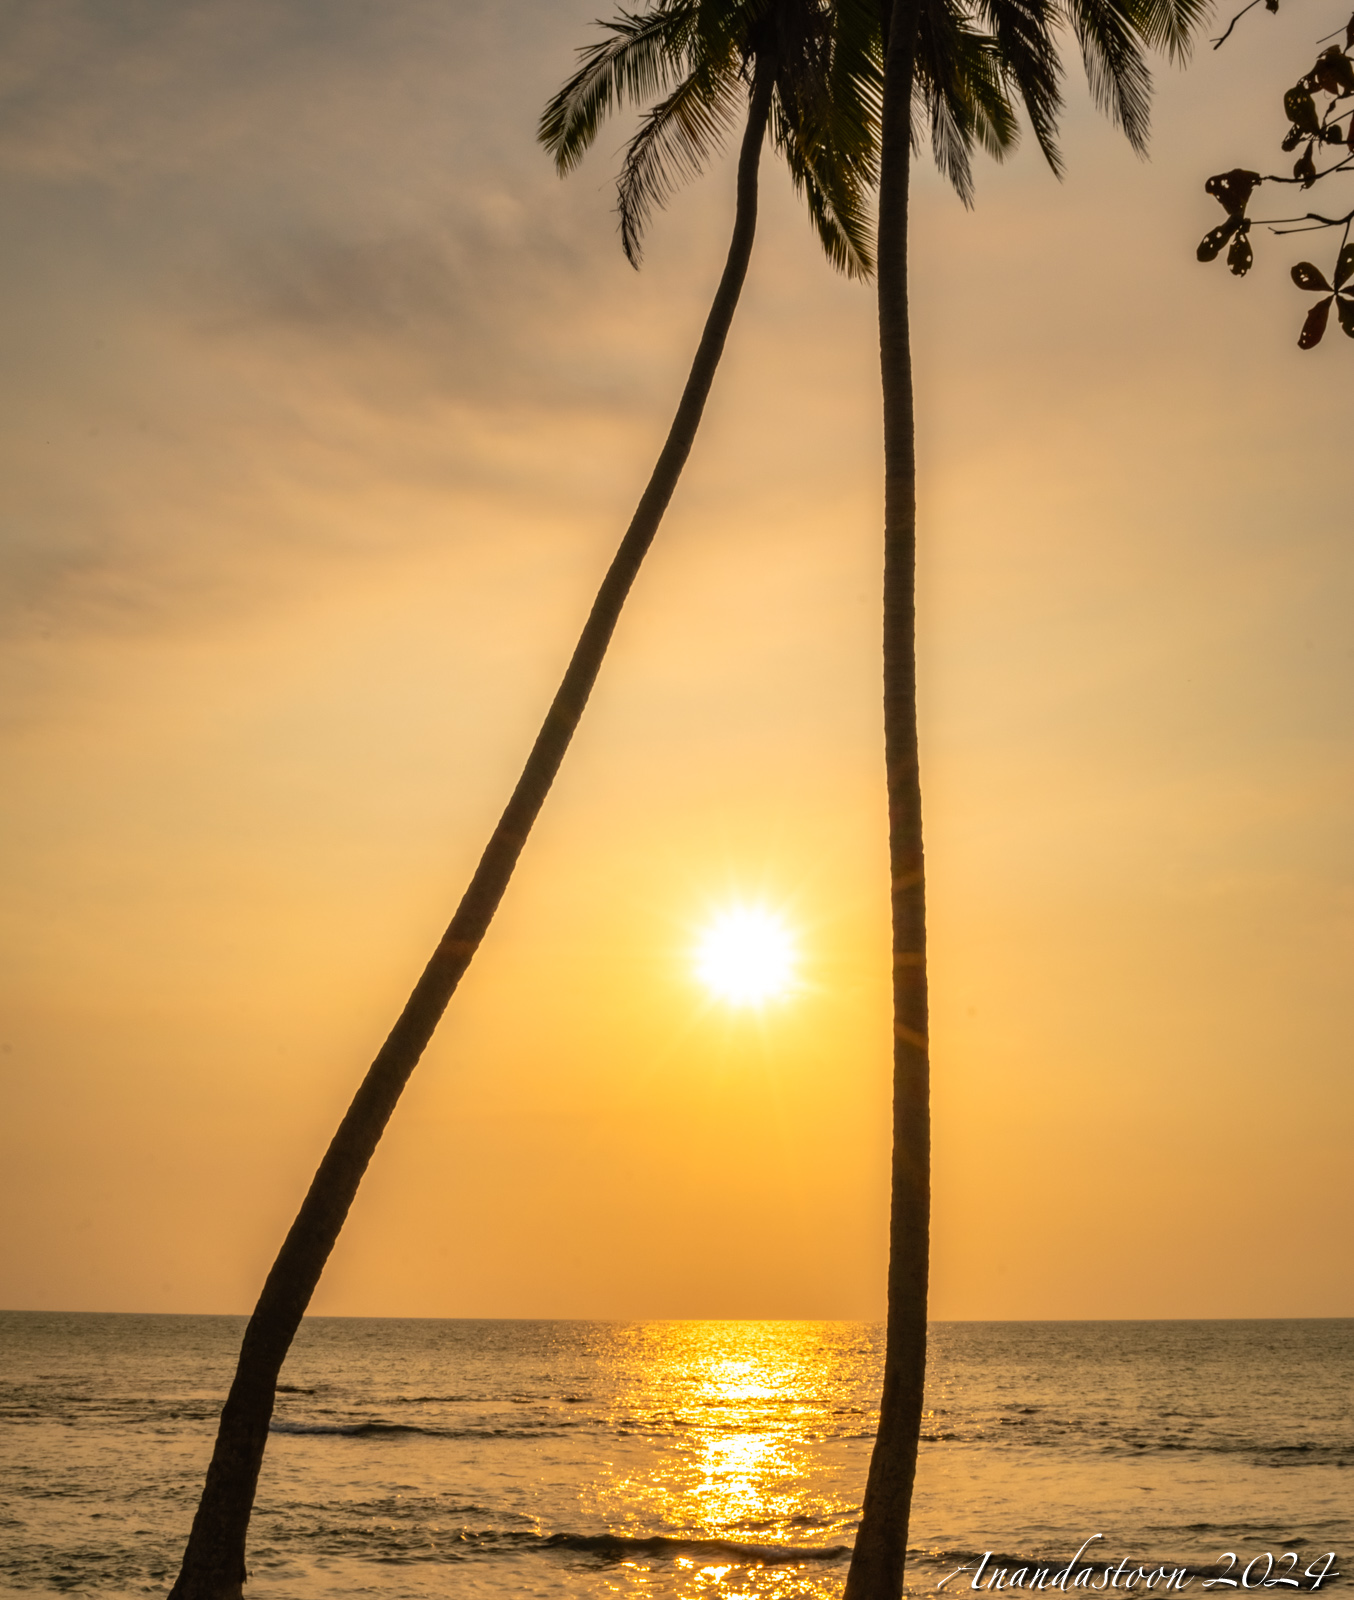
746 956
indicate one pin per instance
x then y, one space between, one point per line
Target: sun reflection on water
723 1460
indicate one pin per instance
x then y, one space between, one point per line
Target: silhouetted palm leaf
639 61
1120 83
674 142
698 55
960 89
1023 31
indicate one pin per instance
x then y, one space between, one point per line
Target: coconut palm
706 63
928 47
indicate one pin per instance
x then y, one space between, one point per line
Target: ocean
419 1458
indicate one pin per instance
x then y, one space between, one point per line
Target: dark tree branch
1218 43
1318 222
1340 166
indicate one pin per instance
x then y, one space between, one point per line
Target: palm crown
975 62
698 58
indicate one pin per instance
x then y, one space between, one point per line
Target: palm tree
928 49
778 63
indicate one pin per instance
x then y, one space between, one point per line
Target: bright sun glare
745 956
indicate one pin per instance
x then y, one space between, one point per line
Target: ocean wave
414 1542
374 1428
1264 1454
471 1399
1103 1439
435 1400
617 1547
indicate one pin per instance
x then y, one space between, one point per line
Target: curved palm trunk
213 1563
881 1545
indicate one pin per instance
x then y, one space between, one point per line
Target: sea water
420 1458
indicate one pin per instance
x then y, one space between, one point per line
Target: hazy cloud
280 269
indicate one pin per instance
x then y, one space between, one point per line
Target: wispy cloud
293 278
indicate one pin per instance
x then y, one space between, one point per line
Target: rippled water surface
570 1459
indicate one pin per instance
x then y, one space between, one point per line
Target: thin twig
1340 166
1314 218
1217 43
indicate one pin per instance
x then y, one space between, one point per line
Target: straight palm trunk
877 1565
214 1561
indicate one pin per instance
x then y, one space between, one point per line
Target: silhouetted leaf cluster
1320 112
1232 190
1306 276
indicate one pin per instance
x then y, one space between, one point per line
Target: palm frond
951 147
980 86
675 140
849 96
641 59
1023 35
823 121
1120 83
961 92
1169 25
836 194
695 58
857 70
938 95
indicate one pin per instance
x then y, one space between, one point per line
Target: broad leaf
1306 276
1315 324
1334 71
1301 110
1240 257
1232 189
1210 247
1344 267
1304 168
1345 307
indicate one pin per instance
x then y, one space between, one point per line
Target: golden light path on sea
733 1410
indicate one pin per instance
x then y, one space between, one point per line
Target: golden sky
324 402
